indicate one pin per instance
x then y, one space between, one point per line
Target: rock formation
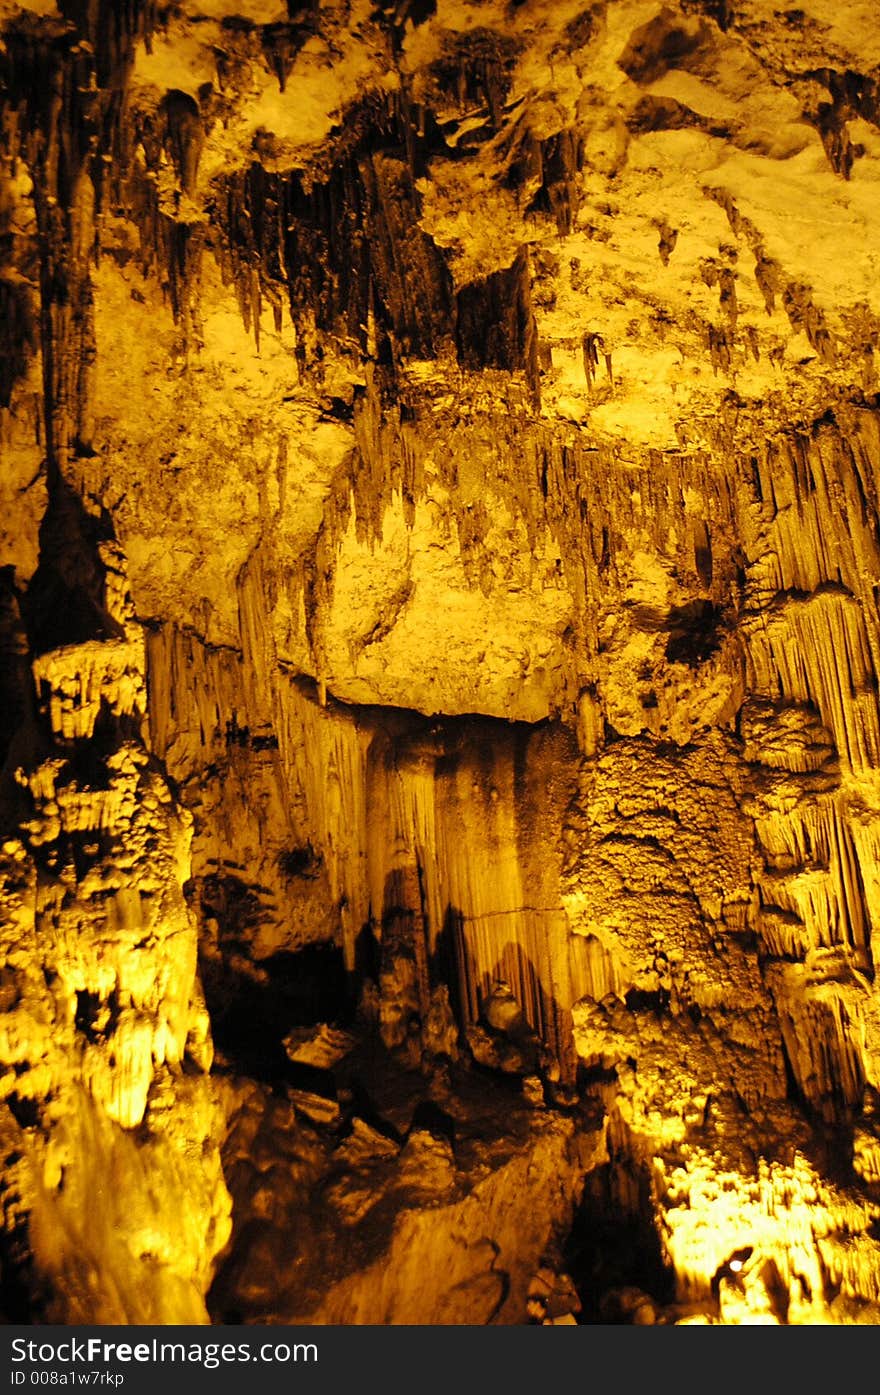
439 652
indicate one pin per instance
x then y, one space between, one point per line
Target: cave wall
439 522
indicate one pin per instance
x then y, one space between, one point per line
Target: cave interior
439 653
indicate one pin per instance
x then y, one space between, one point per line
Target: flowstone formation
439 650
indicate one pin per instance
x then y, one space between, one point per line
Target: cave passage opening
613 1252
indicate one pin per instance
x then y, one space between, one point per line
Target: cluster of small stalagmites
669 1075
777 1243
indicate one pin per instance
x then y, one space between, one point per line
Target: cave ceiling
439 651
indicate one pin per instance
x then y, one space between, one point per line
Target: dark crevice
613 1246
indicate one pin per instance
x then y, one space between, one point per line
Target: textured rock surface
444 1214
112 1165
438 599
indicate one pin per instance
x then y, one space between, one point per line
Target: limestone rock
439 551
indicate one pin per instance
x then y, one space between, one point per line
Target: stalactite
821 1017
19 336
59 98
817 651
561 159
345 248
494 323
377 807
476 67
546 709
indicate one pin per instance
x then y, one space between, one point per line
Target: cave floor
335 1169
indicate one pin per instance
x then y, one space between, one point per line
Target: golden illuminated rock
439 662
